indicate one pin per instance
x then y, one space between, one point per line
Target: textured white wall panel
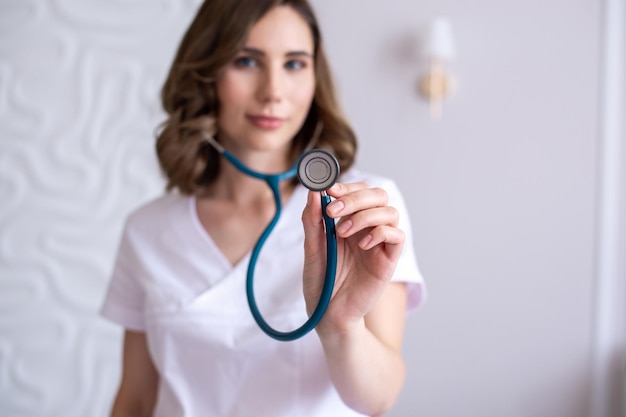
79 84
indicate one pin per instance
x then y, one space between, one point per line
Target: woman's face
266 92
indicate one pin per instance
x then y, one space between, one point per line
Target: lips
266 122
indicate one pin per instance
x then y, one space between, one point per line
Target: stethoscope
317 170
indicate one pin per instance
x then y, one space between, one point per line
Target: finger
312 212
340 189
313 224
392 237
360 199
379 216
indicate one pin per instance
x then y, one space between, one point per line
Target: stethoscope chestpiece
318 170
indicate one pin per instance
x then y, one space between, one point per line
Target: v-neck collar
287 211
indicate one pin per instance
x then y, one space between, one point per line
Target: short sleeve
125 297
407 269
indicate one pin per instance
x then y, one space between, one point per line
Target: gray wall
505 192
502 190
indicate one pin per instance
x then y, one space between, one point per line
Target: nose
272 84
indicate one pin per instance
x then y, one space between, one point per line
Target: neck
263 161
240 188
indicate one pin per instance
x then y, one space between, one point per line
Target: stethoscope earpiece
318 170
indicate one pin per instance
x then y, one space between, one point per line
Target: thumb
313 223
314 250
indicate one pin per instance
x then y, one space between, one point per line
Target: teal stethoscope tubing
273 181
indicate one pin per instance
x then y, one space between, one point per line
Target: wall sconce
438 48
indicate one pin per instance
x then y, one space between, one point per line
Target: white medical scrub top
172 282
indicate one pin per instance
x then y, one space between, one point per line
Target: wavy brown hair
189 96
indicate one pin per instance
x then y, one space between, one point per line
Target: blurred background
516 192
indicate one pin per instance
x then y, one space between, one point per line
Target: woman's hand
368 247
361 332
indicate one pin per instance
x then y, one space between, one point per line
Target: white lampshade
438 40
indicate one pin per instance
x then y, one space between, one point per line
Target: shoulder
157 212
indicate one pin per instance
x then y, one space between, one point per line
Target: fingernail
364 243
344 226
335 207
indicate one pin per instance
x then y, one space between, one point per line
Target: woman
252 74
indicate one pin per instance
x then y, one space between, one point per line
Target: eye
295 65
245 62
